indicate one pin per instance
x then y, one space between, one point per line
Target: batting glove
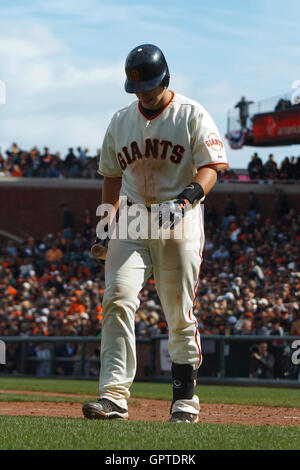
170 213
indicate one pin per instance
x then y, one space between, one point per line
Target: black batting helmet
145 68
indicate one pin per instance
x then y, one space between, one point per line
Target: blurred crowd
289 168
79 164
44 164
249 284
284 104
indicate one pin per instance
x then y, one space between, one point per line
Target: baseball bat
99 251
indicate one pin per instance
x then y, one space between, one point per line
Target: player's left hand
170 213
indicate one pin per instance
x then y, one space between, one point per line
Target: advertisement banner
281 127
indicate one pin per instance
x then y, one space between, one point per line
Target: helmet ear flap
165 81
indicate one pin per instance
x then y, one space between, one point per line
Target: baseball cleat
104 409
183 417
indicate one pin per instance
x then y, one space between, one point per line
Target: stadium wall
31 207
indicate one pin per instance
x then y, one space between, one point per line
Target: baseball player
163 150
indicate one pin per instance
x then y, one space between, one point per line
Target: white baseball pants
175 265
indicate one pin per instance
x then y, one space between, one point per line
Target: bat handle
99 251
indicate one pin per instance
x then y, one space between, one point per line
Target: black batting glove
170 213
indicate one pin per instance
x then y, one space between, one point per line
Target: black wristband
193 192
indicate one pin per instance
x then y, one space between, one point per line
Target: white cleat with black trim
104 409
183 417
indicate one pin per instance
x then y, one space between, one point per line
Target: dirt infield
158 410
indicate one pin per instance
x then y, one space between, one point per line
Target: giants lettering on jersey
153 148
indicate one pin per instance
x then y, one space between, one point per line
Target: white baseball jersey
158 156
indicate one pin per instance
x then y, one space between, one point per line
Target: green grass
77 387
60 433
16 397
260 396
22 432
30 398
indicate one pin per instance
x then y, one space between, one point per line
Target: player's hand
170 213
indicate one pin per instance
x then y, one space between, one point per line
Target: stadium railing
226 358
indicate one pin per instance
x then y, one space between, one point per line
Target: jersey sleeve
206 144
108 163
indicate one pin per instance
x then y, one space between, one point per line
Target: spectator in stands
153 322
253 207
277 348
68 221
243 106
221 253
67 350
12 354
255 167
282 206
258 327
82 155
13 152
44 354
244 324
87 227
262 363
270 168
54 254
296 175
293 171
140 325
11 248
73 165
16 171
45 162
230 212
285 169
2 164
280 105
227 175
33 163
283 104
255 273
295 328
53 170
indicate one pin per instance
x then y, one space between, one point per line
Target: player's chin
149 103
